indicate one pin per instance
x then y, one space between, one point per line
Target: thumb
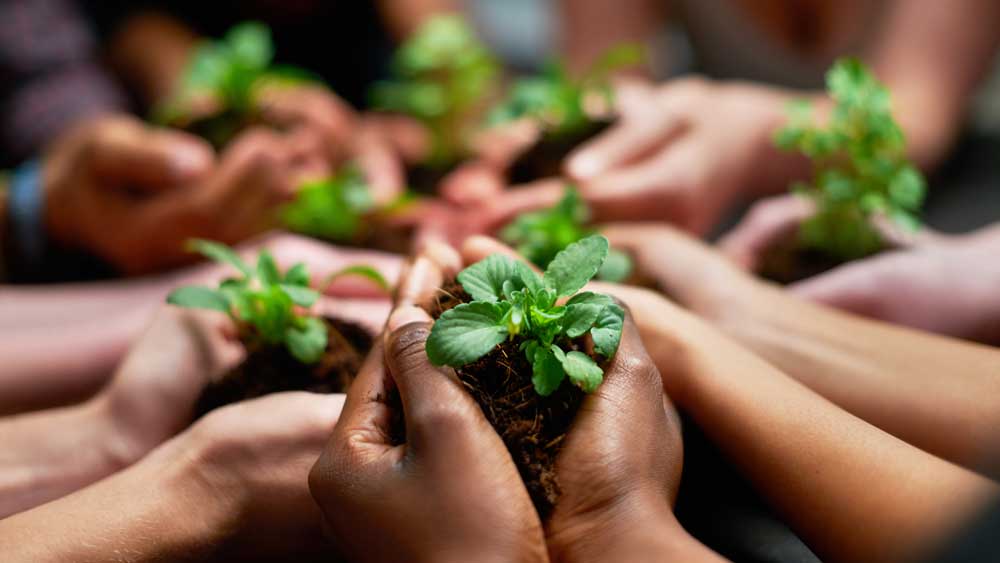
853 288
437 411
149 159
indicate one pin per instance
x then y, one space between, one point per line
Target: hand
684 151
312 107
450 491
132 194
252 461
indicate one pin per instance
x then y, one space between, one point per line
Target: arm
589 28
151 50
854 492
932 56
402 17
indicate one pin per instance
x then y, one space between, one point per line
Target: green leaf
579 318
297 275
267 270
363 271
546 371
607 331
196 297
220 253
616 268
301 296
484 280
251 44
308 341
466 333
581 369
572 268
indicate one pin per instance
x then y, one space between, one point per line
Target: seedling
540 235
558 101
332 208
226 75
441 76
510 301
270 303
859 162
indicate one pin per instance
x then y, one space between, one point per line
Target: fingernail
405 315
583 166
189 161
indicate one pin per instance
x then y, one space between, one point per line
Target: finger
369 314
145 158
257 161
381 165
409 138
419 281
653 189
520 199
644 126
438 412
767 223
854 287
472 184
477 248
499 146
366 421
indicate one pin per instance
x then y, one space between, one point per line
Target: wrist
630 531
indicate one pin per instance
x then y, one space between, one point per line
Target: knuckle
406 345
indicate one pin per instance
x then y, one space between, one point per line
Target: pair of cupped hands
451 490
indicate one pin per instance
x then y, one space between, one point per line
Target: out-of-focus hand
449 491
132 194
310 106
684 152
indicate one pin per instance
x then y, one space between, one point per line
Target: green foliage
510 300
229 71
362 271
859 162
441 76
540 235
262 298
556 99
331 209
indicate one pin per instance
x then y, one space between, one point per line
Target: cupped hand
684 152
132 194
442 488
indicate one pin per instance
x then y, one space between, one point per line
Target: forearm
63 363
589 28
939 394
151 51
852 491
403 17
49 454
932 55
154 511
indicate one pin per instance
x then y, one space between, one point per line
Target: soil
424 179
545 158
787 263
531 426
272 369
219 129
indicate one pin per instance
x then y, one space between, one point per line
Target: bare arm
932 56
854 492
151 51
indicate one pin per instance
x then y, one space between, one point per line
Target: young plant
510 301
332 208
557 101
860 169
226 75
442 74
540 235
270 303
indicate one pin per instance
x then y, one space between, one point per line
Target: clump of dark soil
424 178
545 158
531 426
788 262
272 369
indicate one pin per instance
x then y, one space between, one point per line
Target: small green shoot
229 72
860 168
540 235
361 271
442 75
263 298
510 300
557 100
331 209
